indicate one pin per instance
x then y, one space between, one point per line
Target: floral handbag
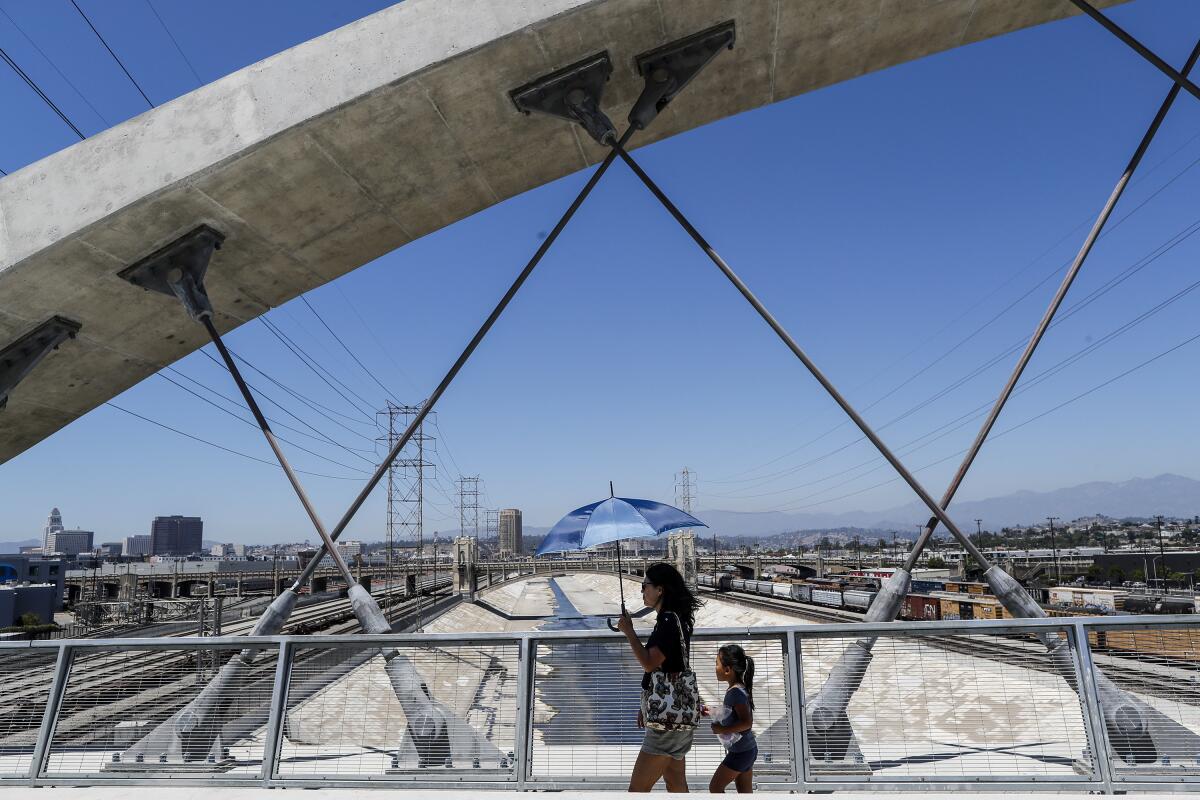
673 699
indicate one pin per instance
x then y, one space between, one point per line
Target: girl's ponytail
748 679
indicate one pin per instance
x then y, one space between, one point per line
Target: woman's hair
734 657
677 597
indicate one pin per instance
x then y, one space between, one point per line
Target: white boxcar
827 597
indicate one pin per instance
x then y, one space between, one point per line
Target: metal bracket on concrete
668 69
178 269
19 358
572 93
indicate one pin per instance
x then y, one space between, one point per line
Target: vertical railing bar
526 668
1097 732
58 687
796 710
273 742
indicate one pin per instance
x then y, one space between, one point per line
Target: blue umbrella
612 520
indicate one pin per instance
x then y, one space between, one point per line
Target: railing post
526 668
795 684
273 741
1097 733
58 686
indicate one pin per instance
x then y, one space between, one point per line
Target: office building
176 536
137 545
54 524
111 549
510 532
70 543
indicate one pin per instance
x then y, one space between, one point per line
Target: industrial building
23 569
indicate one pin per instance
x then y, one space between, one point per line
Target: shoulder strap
683 643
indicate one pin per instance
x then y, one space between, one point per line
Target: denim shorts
675 744
741 760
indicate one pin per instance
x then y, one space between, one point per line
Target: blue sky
882 220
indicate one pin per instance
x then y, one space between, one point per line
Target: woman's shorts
741 761
675 744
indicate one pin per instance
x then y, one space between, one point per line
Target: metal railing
950 705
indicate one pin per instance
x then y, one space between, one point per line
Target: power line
111 53
1137 266
388 392
315 367
319 437
240 418
226 449
1022 424
320 408
178 49
1111 228
61 74
33 85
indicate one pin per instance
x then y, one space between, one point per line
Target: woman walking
663 751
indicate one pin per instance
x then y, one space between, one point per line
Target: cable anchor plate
572 93
670 68
178 269
18 359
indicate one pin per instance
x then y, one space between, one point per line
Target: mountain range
1167 494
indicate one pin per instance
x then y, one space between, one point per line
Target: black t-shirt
665 637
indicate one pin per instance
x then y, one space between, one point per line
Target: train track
95 671
1179 681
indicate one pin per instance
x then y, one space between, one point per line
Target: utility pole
1162 553
1054 551
978 531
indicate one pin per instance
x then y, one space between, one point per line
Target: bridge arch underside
324 157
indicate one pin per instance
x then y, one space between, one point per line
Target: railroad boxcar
827 597
706 580
782 590
725 582
802 593
738 584
925 587
921 607
858 599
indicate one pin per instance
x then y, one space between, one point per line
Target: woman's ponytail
748 679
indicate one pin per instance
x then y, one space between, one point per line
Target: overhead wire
1080 304
224 448
251 423
174 41
311 404
1124 275
734 477
1023 423
318 370
54 66
116 58
38 90
1095 345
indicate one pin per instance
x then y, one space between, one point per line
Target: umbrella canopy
613 519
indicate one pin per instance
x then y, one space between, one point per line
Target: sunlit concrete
337 151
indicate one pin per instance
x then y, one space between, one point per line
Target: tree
936 563
29 620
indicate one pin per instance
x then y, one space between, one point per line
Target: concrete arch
330 154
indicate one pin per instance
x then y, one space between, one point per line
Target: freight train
832 594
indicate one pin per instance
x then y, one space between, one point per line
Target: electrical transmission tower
685 497
468 506
406 486
491 527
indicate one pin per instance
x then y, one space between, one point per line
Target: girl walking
734 721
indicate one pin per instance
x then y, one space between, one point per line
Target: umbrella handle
612 627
